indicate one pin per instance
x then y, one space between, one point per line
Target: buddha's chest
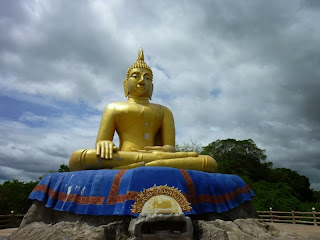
140 118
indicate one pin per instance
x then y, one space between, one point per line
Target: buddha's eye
134 75
147 77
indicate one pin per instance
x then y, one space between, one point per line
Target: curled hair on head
140 63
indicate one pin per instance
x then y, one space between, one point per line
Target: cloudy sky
226 69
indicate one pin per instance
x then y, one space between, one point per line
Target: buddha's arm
167 129
167 133
104 144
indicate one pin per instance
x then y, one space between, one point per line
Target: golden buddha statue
146 132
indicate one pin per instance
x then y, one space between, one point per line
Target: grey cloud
34 152
63 53
261 57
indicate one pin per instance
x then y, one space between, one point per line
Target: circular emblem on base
161 199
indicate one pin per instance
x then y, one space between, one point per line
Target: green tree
242 157
64 168
14 196
316 196
279 196
300 184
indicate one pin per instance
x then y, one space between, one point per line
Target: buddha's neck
139 100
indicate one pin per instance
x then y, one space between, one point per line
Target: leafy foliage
279 188
299 184
64 168
239 157
14 194
279 196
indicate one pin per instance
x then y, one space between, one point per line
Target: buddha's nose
141 81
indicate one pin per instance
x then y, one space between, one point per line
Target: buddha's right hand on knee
105 149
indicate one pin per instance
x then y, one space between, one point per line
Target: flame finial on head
140 55
140 63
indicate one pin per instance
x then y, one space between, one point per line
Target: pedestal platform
104 204
113 192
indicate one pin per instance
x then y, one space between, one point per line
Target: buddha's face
139 83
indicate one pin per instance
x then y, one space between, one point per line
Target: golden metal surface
146 132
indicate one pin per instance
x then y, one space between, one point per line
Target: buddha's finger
110 150
102 150
107 150
98 149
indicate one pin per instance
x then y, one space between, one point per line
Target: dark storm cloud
279 107
50 44
227 69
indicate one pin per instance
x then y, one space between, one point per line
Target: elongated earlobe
151 91
125 87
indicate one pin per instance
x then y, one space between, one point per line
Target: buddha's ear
125 87
151 91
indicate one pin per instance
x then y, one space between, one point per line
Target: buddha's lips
141 87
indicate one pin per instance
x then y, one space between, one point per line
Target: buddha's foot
201 163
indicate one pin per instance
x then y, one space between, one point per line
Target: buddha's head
138 82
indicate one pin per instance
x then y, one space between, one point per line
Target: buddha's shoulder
117 106
160 107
